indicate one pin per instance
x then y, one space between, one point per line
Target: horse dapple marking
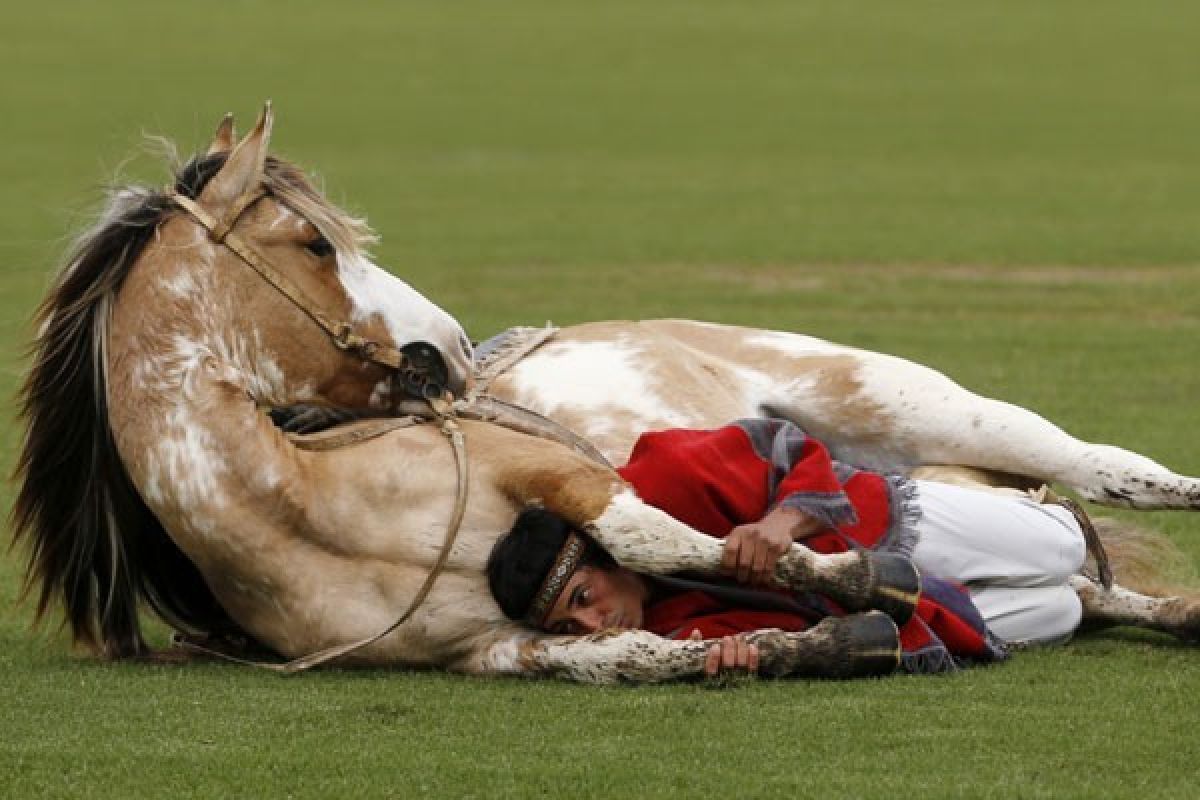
149 473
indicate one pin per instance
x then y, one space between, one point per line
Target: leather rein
221 232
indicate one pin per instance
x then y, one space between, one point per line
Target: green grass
1009 192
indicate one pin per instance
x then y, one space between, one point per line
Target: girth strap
342 333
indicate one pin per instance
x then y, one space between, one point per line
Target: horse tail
89 534
1146 561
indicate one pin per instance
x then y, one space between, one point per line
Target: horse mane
94 545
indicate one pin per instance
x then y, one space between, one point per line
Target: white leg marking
644 539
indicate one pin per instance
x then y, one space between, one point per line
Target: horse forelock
348 234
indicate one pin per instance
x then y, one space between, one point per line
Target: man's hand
751 551
730 655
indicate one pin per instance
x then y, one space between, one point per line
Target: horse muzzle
425 374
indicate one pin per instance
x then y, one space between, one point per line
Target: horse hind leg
885 412
1177 615
1142 559
1129 480
1001 436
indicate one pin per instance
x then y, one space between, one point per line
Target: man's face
598 599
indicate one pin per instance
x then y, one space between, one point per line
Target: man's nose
589 620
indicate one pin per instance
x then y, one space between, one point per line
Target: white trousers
1013 555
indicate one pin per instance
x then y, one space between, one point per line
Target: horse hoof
896 586
868 645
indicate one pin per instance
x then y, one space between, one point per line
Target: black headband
565 564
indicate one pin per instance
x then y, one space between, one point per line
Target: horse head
298 289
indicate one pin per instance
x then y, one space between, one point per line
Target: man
762 485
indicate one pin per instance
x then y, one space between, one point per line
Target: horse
150 474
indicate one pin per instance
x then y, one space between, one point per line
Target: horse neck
173 313
185 377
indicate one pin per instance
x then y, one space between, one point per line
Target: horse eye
320 247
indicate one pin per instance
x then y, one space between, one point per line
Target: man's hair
519 562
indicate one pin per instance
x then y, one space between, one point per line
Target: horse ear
244 168
223 140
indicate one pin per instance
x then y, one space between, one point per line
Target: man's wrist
798 524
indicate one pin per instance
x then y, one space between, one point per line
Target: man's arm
805 496
752 550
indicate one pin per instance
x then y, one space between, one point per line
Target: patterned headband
564 567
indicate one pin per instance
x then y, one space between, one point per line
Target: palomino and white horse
150 474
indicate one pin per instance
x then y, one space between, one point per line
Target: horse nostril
420 354
427 364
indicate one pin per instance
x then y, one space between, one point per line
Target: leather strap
354 433
243 202
450 428
458 442
342 333
499 354
1091 538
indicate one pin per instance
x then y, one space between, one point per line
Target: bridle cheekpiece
340 332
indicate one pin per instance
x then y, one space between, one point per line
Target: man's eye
320 247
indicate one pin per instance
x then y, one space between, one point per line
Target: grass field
1008 192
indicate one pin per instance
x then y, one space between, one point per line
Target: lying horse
150 474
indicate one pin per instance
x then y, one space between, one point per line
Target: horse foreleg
1177 615
843 647
645 539
866 404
